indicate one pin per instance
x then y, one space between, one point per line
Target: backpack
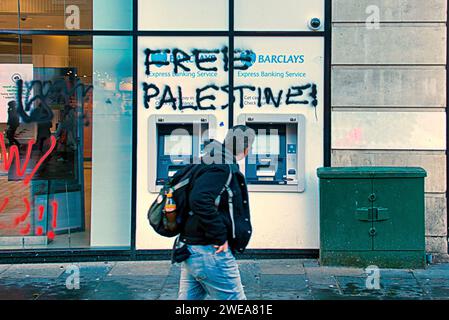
180 185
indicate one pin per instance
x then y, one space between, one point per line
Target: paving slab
23 288
309 263
90 277
325 293
125 295
287 295
4 267
433 272
282 279
172 279
141 268
126 283
402 289
93 272
283 282
95 263
59 291
359 297
317 279
248 261
438 293
396 274
252 291
436 288
336 271
250 266
253 294
250 285
281 267
438 266
129 288
168 294
250 275
34 271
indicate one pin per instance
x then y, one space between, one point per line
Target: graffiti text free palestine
175 99
206 61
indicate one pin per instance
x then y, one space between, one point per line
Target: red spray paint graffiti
13 155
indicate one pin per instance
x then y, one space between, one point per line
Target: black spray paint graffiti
263 94
207 61
159 58
43 92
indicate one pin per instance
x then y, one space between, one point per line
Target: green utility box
372 216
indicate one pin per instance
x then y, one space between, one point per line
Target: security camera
314 24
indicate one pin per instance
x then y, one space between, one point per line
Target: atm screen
266 144
178 145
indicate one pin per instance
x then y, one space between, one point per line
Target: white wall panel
284 15
389 130
183 15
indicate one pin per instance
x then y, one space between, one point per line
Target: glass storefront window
112 142
9 18
66 139
119 15
66 14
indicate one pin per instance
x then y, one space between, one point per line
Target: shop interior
65 176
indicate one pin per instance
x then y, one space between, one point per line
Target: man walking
13 123
219 222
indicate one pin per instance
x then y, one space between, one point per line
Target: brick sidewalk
262 279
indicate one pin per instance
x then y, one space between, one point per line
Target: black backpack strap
225 187
228 189
181 184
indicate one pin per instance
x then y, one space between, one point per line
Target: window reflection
46 125
65 14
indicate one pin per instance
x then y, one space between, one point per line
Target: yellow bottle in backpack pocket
170 212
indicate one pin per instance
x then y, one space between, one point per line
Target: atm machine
276 161
175 141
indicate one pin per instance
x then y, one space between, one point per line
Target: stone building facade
389 81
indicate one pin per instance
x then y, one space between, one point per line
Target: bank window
66 121
183 15
66 14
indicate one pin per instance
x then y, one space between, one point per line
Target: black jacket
208 224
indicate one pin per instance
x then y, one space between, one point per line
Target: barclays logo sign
280 58
250 58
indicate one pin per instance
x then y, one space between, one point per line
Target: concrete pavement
262 280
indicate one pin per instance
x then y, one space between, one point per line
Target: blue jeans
207 273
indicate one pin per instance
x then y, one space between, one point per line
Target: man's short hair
239 138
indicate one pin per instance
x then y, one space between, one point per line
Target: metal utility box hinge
372 214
